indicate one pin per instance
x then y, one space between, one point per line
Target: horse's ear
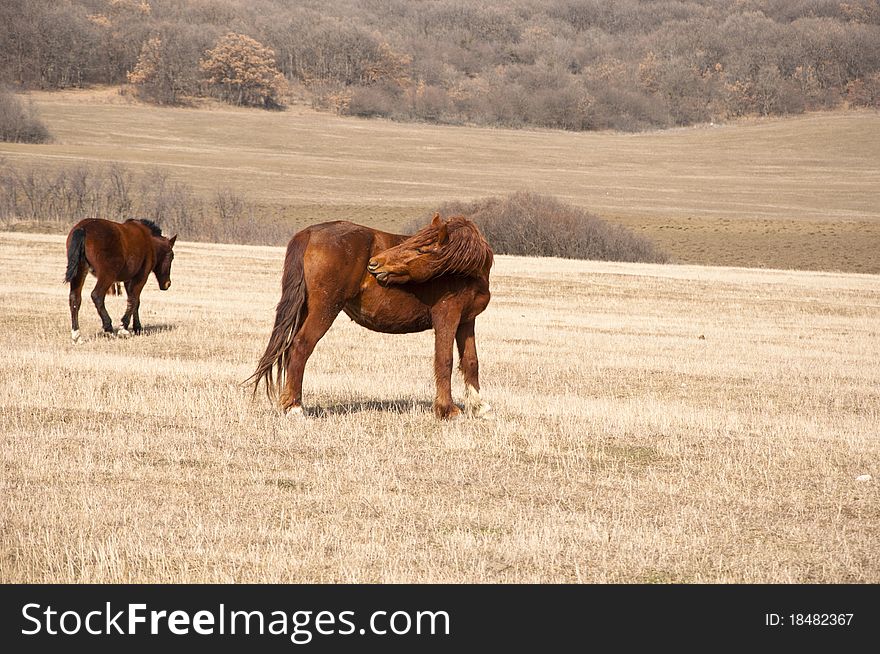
443 234
171 240
436 222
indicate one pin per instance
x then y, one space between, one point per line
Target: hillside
569 64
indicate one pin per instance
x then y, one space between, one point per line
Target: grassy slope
801 192
625 447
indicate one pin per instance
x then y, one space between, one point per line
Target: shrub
536 225
370 101
19 122
242 71
864 93
429 102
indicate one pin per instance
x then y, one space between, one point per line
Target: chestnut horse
438 278
116 252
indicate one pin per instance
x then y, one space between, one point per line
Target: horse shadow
158 329
145 332
399 406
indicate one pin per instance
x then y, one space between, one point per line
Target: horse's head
164 257
454 247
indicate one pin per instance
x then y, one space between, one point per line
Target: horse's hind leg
470 369
98 294
76 285
316 323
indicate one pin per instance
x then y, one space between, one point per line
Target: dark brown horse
116 252
438 278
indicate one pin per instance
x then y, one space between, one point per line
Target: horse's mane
465 252
153 227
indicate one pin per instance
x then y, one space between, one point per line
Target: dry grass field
652 424
799 192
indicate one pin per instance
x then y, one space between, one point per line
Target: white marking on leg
74 334
123 332
296 413
474 405
471 399
483 411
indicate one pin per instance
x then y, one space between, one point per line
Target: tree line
570 64
57 198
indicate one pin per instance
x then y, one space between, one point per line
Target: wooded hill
571 64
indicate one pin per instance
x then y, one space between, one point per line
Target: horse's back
103 234
98 225
101 238
346 233
343 245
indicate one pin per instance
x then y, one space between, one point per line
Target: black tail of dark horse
76 254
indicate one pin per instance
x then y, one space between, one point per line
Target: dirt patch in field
845 246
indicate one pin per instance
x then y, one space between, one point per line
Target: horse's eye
423 250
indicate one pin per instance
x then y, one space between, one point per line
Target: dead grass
799 192
625 447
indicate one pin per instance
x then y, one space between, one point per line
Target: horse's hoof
295 413
484 411
74 334
123 333
451 413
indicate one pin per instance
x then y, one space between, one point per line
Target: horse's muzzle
166 285
373 265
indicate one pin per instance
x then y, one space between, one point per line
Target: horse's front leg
444 335
470 369
133 292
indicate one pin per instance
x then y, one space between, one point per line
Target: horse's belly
389 317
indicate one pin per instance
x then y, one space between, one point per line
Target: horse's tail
288 318
76 253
